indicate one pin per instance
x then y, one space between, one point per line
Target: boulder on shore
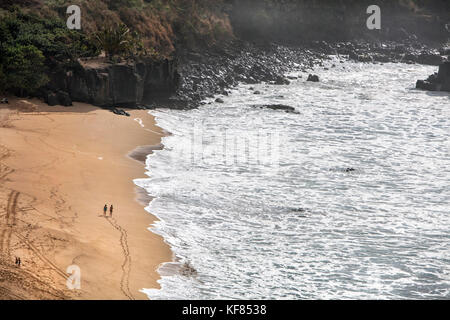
64 98
51 99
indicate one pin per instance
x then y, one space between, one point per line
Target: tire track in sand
10 218
126 265
41 256
5 240
4 292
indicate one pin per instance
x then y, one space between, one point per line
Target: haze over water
291 221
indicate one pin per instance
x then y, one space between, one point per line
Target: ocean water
347 198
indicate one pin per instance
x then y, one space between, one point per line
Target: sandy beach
58 167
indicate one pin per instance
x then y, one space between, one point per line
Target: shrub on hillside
24 69
30 45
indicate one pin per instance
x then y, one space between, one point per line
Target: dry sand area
58 167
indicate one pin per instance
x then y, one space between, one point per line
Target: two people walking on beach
105 209
18 261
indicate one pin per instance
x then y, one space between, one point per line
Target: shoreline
60 166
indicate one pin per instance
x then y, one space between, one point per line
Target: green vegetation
118 40
24 69
31 45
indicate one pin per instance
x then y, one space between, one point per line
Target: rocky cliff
125 84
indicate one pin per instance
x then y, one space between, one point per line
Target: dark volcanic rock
437 82
313 78
120 112
426 85
126 84
429 59
64 99
279 107
220 68
219 100
360 57
210 71
281 81
51 99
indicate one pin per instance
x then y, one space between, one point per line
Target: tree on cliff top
115 40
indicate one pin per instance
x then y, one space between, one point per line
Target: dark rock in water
350 170
313 78
219 100
188 270
292 77
257 92
360 57
281 81
426 85
437 82
64 99
279 107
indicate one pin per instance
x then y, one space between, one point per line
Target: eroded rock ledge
125 84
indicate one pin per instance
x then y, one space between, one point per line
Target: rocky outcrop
313 78
278 107
437 82
214 70
126 84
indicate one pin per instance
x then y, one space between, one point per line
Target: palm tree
114 40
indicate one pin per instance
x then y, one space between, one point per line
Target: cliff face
127 84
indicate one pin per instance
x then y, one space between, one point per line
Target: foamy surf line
177 266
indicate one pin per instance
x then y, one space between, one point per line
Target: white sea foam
301 225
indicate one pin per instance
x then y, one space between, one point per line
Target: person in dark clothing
110 210
105 208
